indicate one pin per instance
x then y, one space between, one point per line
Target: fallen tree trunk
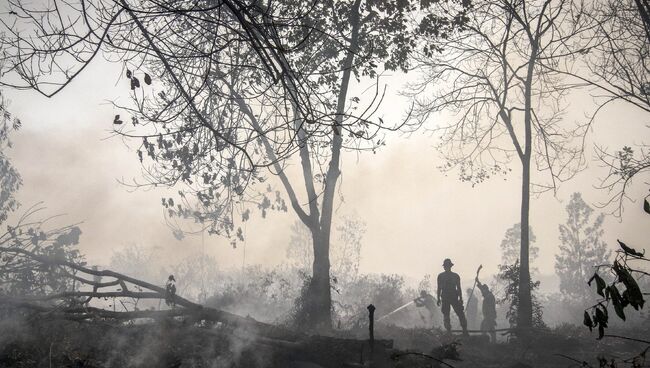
75 309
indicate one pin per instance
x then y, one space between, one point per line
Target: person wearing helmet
450 295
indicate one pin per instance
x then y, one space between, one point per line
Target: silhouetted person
170 291
450 294
471 310
426 300
489 311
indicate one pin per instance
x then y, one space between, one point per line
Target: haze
416 216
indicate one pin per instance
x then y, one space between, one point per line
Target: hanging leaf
135 83
602 316
617 300
625 298
630 251
618 308
147 79
587 321
600 284
632 293
613 293
635 296
117 120
129 74
240 234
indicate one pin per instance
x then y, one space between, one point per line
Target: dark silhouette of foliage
23 275
623 291
510 274
10 179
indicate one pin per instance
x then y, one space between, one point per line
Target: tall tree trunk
525 308
320 296
318 306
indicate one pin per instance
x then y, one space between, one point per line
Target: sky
416 216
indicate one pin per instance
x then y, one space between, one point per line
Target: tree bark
644 11
525 308
319 300
319 296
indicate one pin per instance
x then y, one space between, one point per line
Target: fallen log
194 315
182 306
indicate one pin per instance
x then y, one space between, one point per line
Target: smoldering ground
161 333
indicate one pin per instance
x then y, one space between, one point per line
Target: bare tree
616 67
619 70
617 60
501 83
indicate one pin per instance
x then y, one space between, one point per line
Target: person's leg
493 333
445 315
432 323
458 309
484 326
488 326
